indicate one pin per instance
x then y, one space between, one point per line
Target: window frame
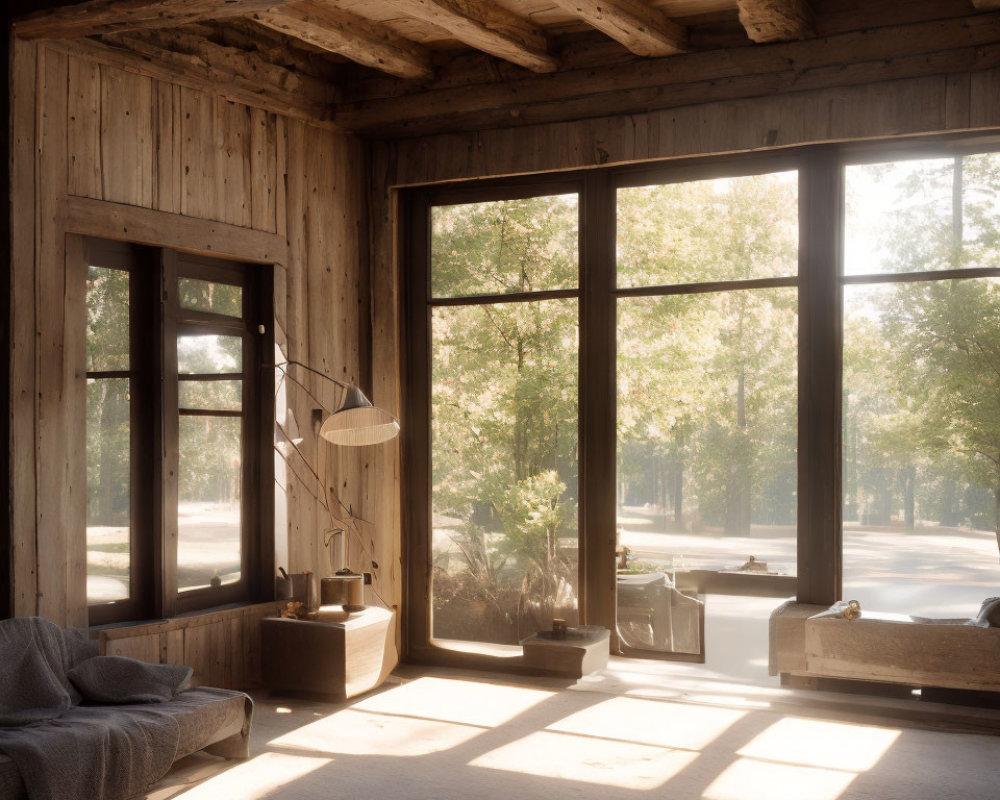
156 318
820 282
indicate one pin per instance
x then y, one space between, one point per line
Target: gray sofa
54 743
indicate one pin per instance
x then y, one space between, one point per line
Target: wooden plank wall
933 104
83 129
223 647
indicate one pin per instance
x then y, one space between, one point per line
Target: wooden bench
887 648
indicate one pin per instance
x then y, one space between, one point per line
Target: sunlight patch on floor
591 760
358 733
256 778
748 779
651 722
485 705
815 743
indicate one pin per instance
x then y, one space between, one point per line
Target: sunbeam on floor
489 738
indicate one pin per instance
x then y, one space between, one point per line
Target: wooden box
572 657
337 656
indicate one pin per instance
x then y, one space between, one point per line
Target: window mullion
597 402
166 425
820 354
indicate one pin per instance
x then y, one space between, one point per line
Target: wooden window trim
153 332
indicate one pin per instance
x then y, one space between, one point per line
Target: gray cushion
117 679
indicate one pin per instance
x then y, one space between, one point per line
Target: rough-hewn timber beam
112 16
776 20
644 30
939 47
488 27
331 28
190 61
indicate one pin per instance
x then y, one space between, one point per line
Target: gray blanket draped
65 751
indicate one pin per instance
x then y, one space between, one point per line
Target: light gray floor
640 729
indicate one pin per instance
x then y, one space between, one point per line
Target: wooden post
820 353
598 401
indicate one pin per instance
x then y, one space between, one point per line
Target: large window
750 376
176 452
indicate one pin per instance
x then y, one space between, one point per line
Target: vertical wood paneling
54 523
167 142
263 170
301 514
985 99
84 131
232 164
24 123
198 180
127 137
74 453
384 487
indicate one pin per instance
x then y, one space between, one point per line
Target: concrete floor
640 728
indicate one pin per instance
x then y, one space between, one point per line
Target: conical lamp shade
359 423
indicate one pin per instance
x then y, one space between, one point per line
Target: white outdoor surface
209 541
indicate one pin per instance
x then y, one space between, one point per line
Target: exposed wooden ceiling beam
644 30
321 24
179 58
113 16
986 5
938 47
488 27
776 20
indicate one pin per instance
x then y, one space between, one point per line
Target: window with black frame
788 385
175 374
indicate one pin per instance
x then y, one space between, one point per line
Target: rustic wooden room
501 398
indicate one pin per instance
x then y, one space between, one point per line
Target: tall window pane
707 415
504 421
109 435
504 426
921 442
922 387
108 490
707 400
209 492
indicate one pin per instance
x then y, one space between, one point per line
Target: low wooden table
337 656
572 657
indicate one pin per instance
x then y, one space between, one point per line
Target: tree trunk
678 492
109 413
738 492
956 214
909 493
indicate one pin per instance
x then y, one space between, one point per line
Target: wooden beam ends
776 20
488 27
113 16
644 30
330 28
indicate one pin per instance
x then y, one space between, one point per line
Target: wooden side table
336 656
